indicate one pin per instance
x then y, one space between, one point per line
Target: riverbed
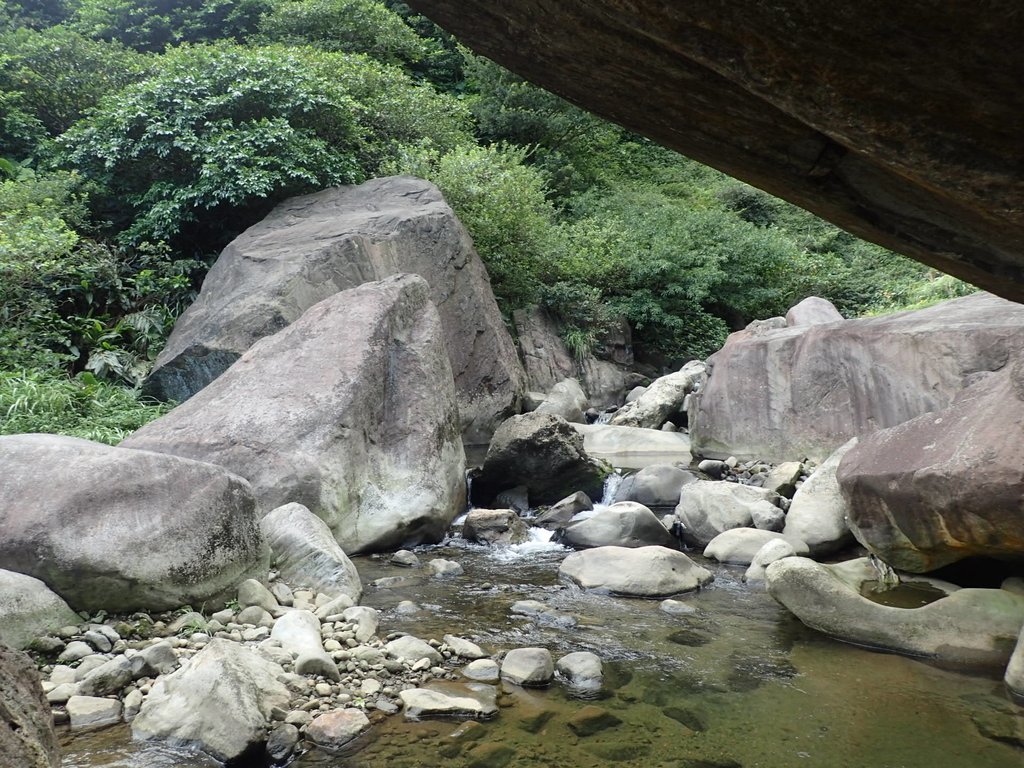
737 682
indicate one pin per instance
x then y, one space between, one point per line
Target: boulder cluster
195 581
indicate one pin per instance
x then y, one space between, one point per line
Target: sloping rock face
946 485
548 361
118 530
804 391
900 124
312 247
349 411
306 554
27 738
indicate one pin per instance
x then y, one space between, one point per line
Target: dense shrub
202 148
152 25
59 73
351 26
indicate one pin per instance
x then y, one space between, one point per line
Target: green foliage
83 406
153 25
59 74
566 143
352 26
21 133
502 203
68 301
219 133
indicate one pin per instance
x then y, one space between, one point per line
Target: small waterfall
611 487
887 577
604 417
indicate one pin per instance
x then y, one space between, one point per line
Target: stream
736 682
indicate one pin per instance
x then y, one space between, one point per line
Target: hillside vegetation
138 137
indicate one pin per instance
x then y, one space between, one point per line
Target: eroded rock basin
737 682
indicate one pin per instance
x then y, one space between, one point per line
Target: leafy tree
153 25
352 26
568 144
59 74
218 134
443 64
36 14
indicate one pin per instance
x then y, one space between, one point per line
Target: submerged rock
363 376
643 572
973 626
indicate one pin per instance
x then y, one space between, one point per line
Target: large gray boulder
624 524
642 572
27 737
818 513
803 391
312 247
656 486
29 609
542 452
350 411
306 553
221 701
122 530
946 485
662 400
708 507
973 626
634 447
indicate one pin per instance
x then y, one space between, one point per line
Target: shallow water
738 682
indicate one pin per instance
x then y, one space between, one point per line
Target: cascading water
608 492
